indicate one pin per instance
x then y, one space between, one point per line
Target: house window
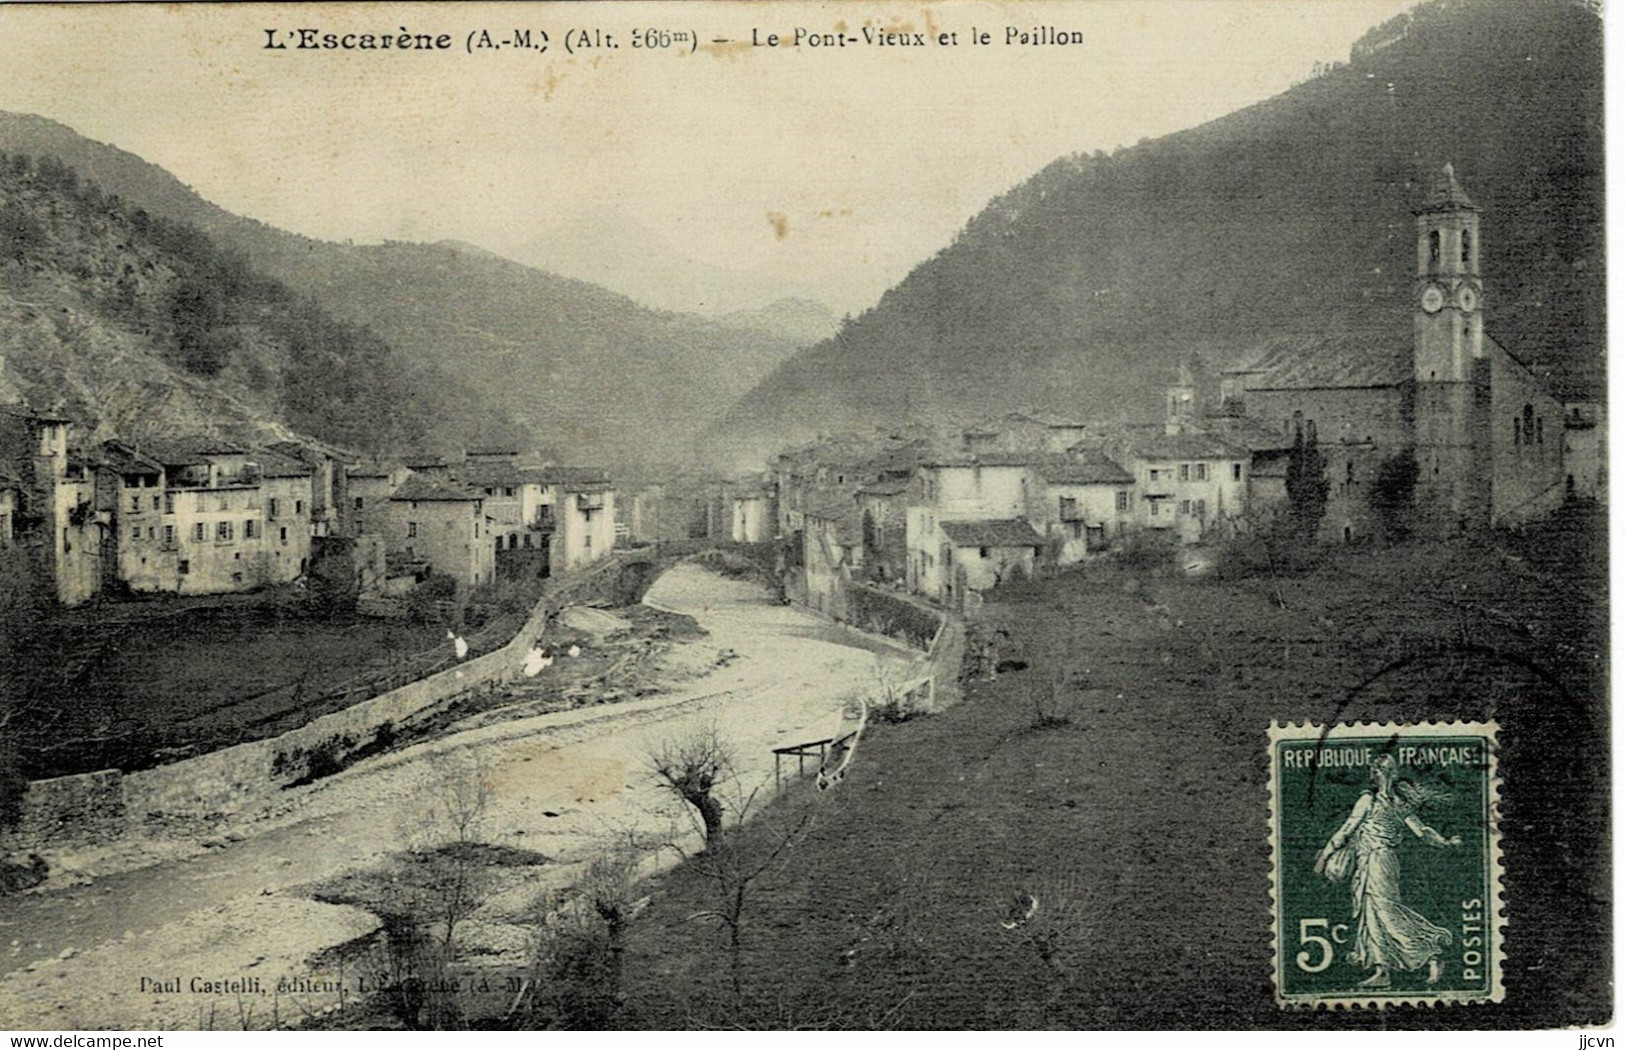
1235 472
586 541
411 529
1184 472
169 503
1540 431
1201 509
1155 504
527 539
358 502
222 531
155 503
508 491
1069 508
274 508
1201 472
513 540
1184 507
1153 473
1122 502
298 507
1433 248
197 532
169 536
251 529
67 544
135 533
152 533
224 503
983 551
135 504
236 577
1466 249
183 567
284 535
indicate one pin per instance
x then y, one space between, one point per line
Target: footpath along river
76 957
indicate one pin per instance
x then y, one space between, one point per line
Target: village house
831 554
202 516
990 492
1084 504
442 525
584 510
329 496
519 503
1189 486
58 533
369 486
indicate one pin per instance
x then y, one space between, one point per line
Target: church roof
1447 194
1341 359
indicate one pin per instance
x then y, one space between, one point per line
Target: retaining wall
95 808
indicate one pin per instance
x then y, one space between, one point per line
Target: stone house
441 524
1083 504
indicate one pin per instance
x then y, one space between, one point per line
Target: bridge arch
640 567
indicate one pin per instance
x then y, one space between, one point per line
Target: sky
713 179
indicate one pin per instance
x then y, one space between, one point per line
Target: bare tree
741 861
694 769
577 965
455 876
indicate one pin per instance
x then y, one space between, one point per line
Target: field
1129 797
134 690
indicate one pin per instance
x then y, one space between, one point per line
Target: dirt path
76 958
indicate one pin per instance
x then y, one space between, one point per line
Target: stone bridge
635 569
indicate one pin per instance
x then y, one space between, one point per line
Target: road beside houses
561 785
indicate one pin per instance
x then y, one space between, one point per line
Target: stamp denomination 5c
1386 856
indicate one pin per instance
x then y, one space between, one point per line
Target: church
1486 433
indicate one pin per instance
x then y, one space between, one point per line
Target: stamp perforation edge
1495 929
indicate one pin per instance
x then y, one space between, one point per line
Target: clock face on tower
1432 298
1467 298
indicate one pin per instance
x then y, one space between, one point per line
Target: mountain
1079 290
584 370
137 326
615 251
802 321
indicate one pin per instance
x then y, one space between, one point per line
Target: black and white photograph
868 516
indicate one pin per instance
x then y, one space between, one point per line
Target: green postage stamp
1386 872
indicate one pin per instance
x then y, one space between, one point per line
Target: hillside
1078 290
588 371
136 326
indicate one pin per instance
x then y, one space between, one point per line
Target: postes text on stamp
1386 864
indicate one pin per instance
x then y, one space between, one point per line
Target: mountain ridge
1080 289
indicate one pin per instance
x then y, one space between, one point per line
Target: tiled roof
573 476
892 487
188 451
1087 467
276 465
1447 194
980 459
1256 434
422 489
122 459
1270 465
1151 441
992 533
1348 358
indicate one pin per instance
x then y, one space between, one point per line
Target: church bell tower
1451 370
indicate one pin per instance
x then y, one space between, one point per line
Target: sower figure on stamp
1388 935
